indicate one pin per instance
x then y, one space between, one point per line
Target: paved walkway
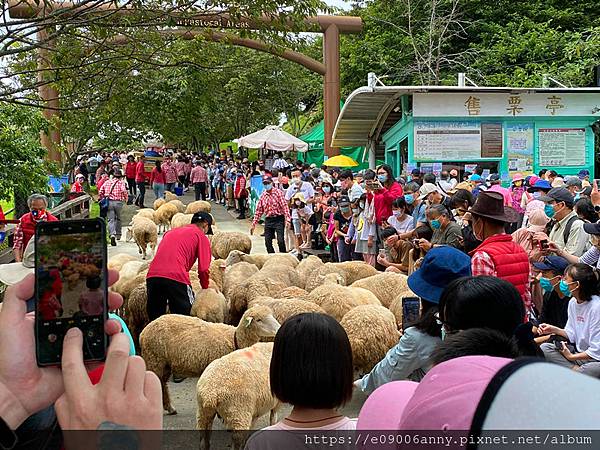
183 395
225 221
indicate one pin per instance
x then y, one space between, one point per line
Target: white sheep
179 204
372 331
236 387
158 203
337 300
169 196
163 216
307 267
386 286
186 345
210 305
235 275
181 220
143 231
283 309
116 262
222 243
197 206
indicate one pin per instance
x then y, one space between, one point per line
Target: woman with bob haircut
311 369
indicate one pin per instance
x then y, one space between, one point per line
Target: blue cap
557 264
583 173
440 266
475 177
541 184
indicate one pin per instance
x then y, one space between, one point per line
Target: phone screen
70 287
411 308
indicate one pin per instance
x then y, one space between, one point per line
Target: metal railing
77 208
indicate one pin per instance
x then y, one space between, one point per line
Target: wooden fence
78 208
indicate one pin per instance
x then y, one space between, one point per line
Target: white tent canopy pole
273 138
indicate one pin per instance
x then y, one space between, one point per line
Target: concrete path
183 395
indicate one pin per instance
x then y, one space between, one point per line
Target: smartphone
382 252
411 309
71 287
558 345
543 244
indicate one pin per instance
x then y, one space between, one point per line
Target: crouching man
168 279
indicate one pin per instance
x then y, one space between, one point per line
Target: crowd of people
499 273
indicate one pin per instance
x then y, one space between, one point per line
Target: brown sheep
283 309
215 272
210 306
169 196
306 268
235 275
372 331
197 206
256 286
179 204
158 203
337 300
293 292
186 345
163 216
222 243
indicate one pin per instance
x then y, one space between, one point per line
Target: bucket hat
491 205
440 266
12 273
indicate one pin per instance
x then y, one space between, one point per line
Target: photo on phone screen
411 309
70 287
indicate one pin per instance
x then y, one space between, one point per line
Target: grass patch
94 210
6 205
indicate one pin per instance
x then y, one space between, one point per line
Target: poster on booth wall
256 189
561 147
519 138
447 141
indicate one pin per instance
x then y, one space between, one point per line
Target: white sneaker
294 252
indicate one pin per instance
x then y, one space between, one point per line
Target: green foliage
501 43
23 169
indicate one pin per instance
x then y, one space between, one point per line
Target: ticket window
491 166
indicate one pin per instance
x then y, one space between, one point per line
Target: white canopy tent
273 138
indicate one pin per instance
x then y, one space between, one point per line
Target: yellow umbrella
340 161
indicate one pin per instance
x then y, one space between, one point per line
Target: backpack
567 230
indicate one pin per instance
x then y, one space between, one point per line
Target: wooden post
49 95
331 85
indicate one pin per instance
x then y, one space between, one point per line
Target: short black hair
429 178
460 197
586 210
311 366
347 173
388 232
427 322
399 202
369 174
542 172
93 282
482 302
475 341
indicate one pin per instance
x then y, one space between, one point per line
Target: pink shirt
180 168
177 253
91 303
170 173
198 175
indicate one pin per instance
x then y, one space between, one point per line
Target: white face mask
298 203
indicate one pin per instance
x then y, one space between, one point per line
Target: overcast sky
338 3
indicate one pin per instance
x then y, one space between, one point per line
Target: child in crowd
305 212
91 301
365 234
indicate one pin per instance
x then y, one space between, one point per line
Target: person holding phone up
411 357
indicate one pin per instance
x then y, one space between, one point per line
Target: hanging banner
256 189
519 142
561 147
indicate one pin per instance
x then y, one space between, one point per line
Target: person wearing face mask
498 256
304 214
273 205
567 233
555 303
306 189
592 256
445 231
582 330
399 220
352 189
538 188
25 229
574 185
386 191
342 224
517 192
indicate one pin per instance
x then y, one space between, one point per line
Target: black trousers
139 201
242 206
181 179
275 225
200 190
163 291
131 184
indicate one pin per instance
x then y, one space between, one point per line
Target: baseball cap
202 216
427 189
559 194
589 228
555 263
14 272
416 172
475 177
573 181
583 173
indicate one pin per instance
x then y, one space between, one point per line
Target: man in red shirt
140 181
168 279
25 230
274 206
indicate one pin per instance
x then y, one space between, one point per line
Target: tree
23 169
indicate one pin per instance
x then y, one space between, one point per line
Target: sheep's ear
248 321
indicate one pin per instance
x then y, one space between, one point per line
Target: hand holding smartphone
411 309
71 287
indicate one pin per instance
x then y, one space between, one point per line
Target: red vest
510 260
27 225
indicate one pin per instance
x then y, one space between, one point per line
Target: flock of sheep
227 340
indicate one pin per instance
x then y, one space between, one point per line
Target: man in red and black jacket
25 230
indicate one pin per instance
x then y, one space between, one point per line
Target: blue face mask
546 284
268 187
435 224
326 189
537 194
409 198
443 333
382 178
564 288
549 211
577 197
